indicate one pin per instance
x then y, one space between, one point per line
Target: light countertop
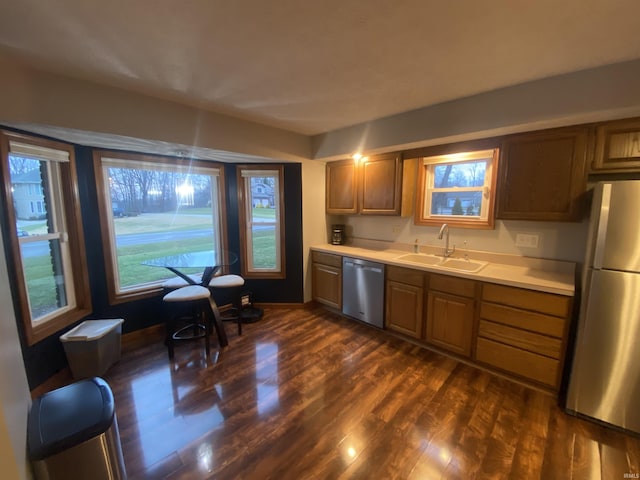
549 276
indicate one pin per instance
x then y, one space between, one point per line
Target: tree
457 207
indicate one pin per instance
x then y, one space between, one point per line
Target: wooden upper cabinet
542 175
617 146
342 187
381 185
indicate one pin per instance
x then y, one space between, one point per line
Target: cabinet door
450 322
617 146
381 185
404 306
542 176
341 187
327 285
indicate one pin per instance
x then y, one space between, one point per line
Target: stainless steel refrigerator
605 375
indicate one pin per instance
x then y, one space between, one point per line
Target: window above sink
458 189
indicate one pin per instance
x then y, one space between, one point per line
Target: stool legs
198 329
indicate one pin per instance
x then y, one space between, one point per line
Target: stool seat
226 281
233 283
178 282
185 294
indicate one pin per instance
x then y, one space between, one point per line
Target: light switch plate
529 240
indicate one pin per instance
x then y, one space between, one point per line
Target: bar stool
188 321
232 283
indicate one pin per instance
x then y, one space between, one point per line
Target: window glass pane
264 246
261 218
163 212
44 276
42 260
456 203
468 174
27 187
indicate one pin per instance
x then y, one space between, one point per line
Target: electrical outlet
529 240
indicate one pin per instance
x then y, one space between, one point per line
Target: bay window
153 207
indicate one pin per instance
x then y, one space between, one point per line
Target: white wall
557 240
15 397
31 96
591 95
314 220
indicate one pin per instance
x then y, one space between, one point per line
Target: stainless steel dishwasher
363 290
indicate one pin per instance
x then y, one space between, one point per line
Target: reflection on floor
308 394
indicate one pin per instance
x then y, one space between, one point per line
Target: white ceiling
316 66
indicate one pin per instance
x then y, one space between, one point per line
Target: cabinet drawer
550 303
523 363
453 285
529 341
327 259
405 275
535 322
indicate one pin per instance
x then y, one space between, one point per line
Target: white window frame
245 206
426 183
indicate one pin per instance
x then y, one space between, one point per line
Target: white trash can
92 347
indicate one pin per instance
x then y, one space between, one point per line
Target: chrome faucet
445 230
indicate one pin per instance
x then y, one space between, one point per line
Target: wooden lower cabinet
450 313
326 281
515 331
523 332
404 301
450 322
404 308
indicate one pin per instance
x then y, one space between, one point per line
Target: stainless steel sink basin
464 265
420 258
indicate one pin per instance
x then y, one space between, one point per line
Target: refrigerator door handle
601 235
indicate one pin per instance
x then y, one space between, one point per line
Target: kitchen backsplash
552 240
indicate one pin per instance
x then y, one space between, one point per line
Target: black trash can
72 433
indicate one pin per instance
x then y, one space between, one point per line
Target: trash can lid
68 416
91 330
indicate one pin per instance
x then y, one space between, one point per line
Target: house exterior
262 195
28 196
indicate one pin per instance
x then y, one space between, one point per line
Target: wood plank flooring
307 394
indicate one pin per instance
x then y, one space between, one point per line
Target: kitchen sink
464 265
421 258
460 264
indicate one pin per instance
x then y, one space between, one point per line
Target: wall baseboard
57 380
280 305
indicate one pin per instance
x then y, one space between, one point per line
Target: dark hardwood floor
307 394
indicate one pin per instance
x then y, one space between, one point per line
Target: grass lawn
41 285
